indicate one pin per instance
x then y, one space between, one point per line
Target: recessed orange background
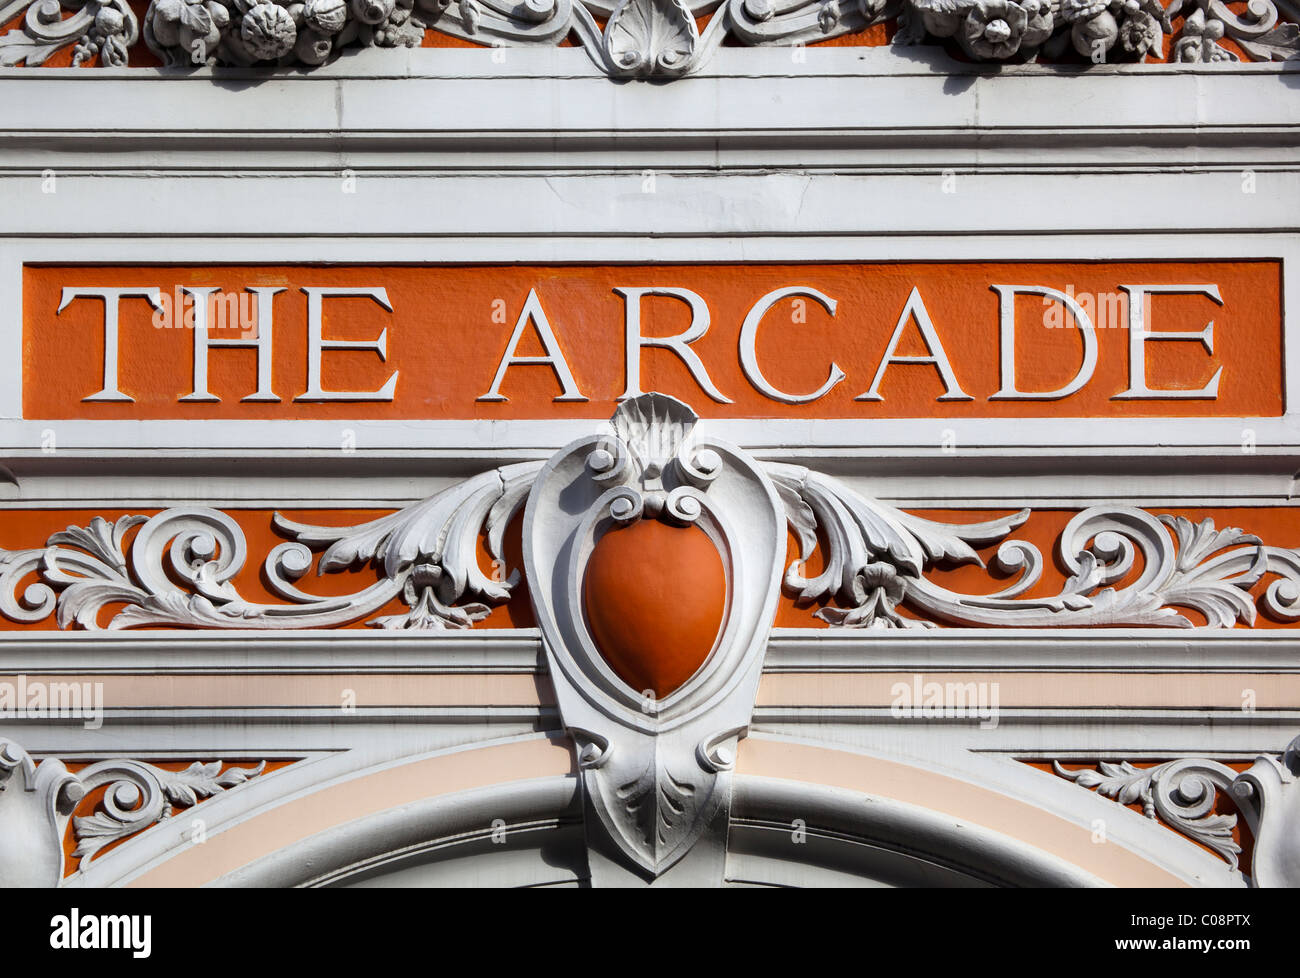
22 529
446 345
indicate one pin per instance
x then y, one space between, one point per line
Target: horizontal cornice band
790 650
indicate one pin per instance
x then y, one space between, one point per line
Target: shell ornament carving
651 37
648 517
645 39
655 762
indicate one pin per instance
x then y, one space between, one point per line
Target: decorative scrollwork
653 39
654 468
876 557
1125 566
37 800
103 29
139 795
1183 794
178 569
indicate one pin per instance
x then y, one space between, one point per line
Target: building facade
649 443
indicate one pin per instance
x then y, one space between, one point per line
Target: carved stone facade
647 38
179 564
655 765
521 527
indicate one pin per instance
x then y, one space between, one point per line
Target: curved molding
885 841
656 766
277 812
890 820
473 823
881 842
882 831
1021 823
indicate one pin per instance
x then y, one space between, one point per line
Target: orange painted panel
1276 526
450 327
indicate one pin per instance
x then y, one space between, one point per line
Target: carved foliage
103 28
642 38
876 557
656 772
1183 794
179 567
36 801
651 37
139 795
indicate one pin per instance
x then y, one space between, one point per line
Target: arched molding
310 798
509 813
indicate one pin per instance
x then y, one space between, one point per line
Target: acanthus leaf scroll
37 799
876 557
1195 797
1126 567
179 567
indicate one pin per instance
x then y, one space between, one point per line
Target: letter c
749 352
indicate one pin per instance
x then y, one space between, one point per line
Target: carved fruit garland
642 38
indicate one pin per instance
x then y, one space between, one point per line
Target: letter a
554 357
915 309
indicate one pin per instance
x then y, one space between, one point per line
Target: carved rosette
655 771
